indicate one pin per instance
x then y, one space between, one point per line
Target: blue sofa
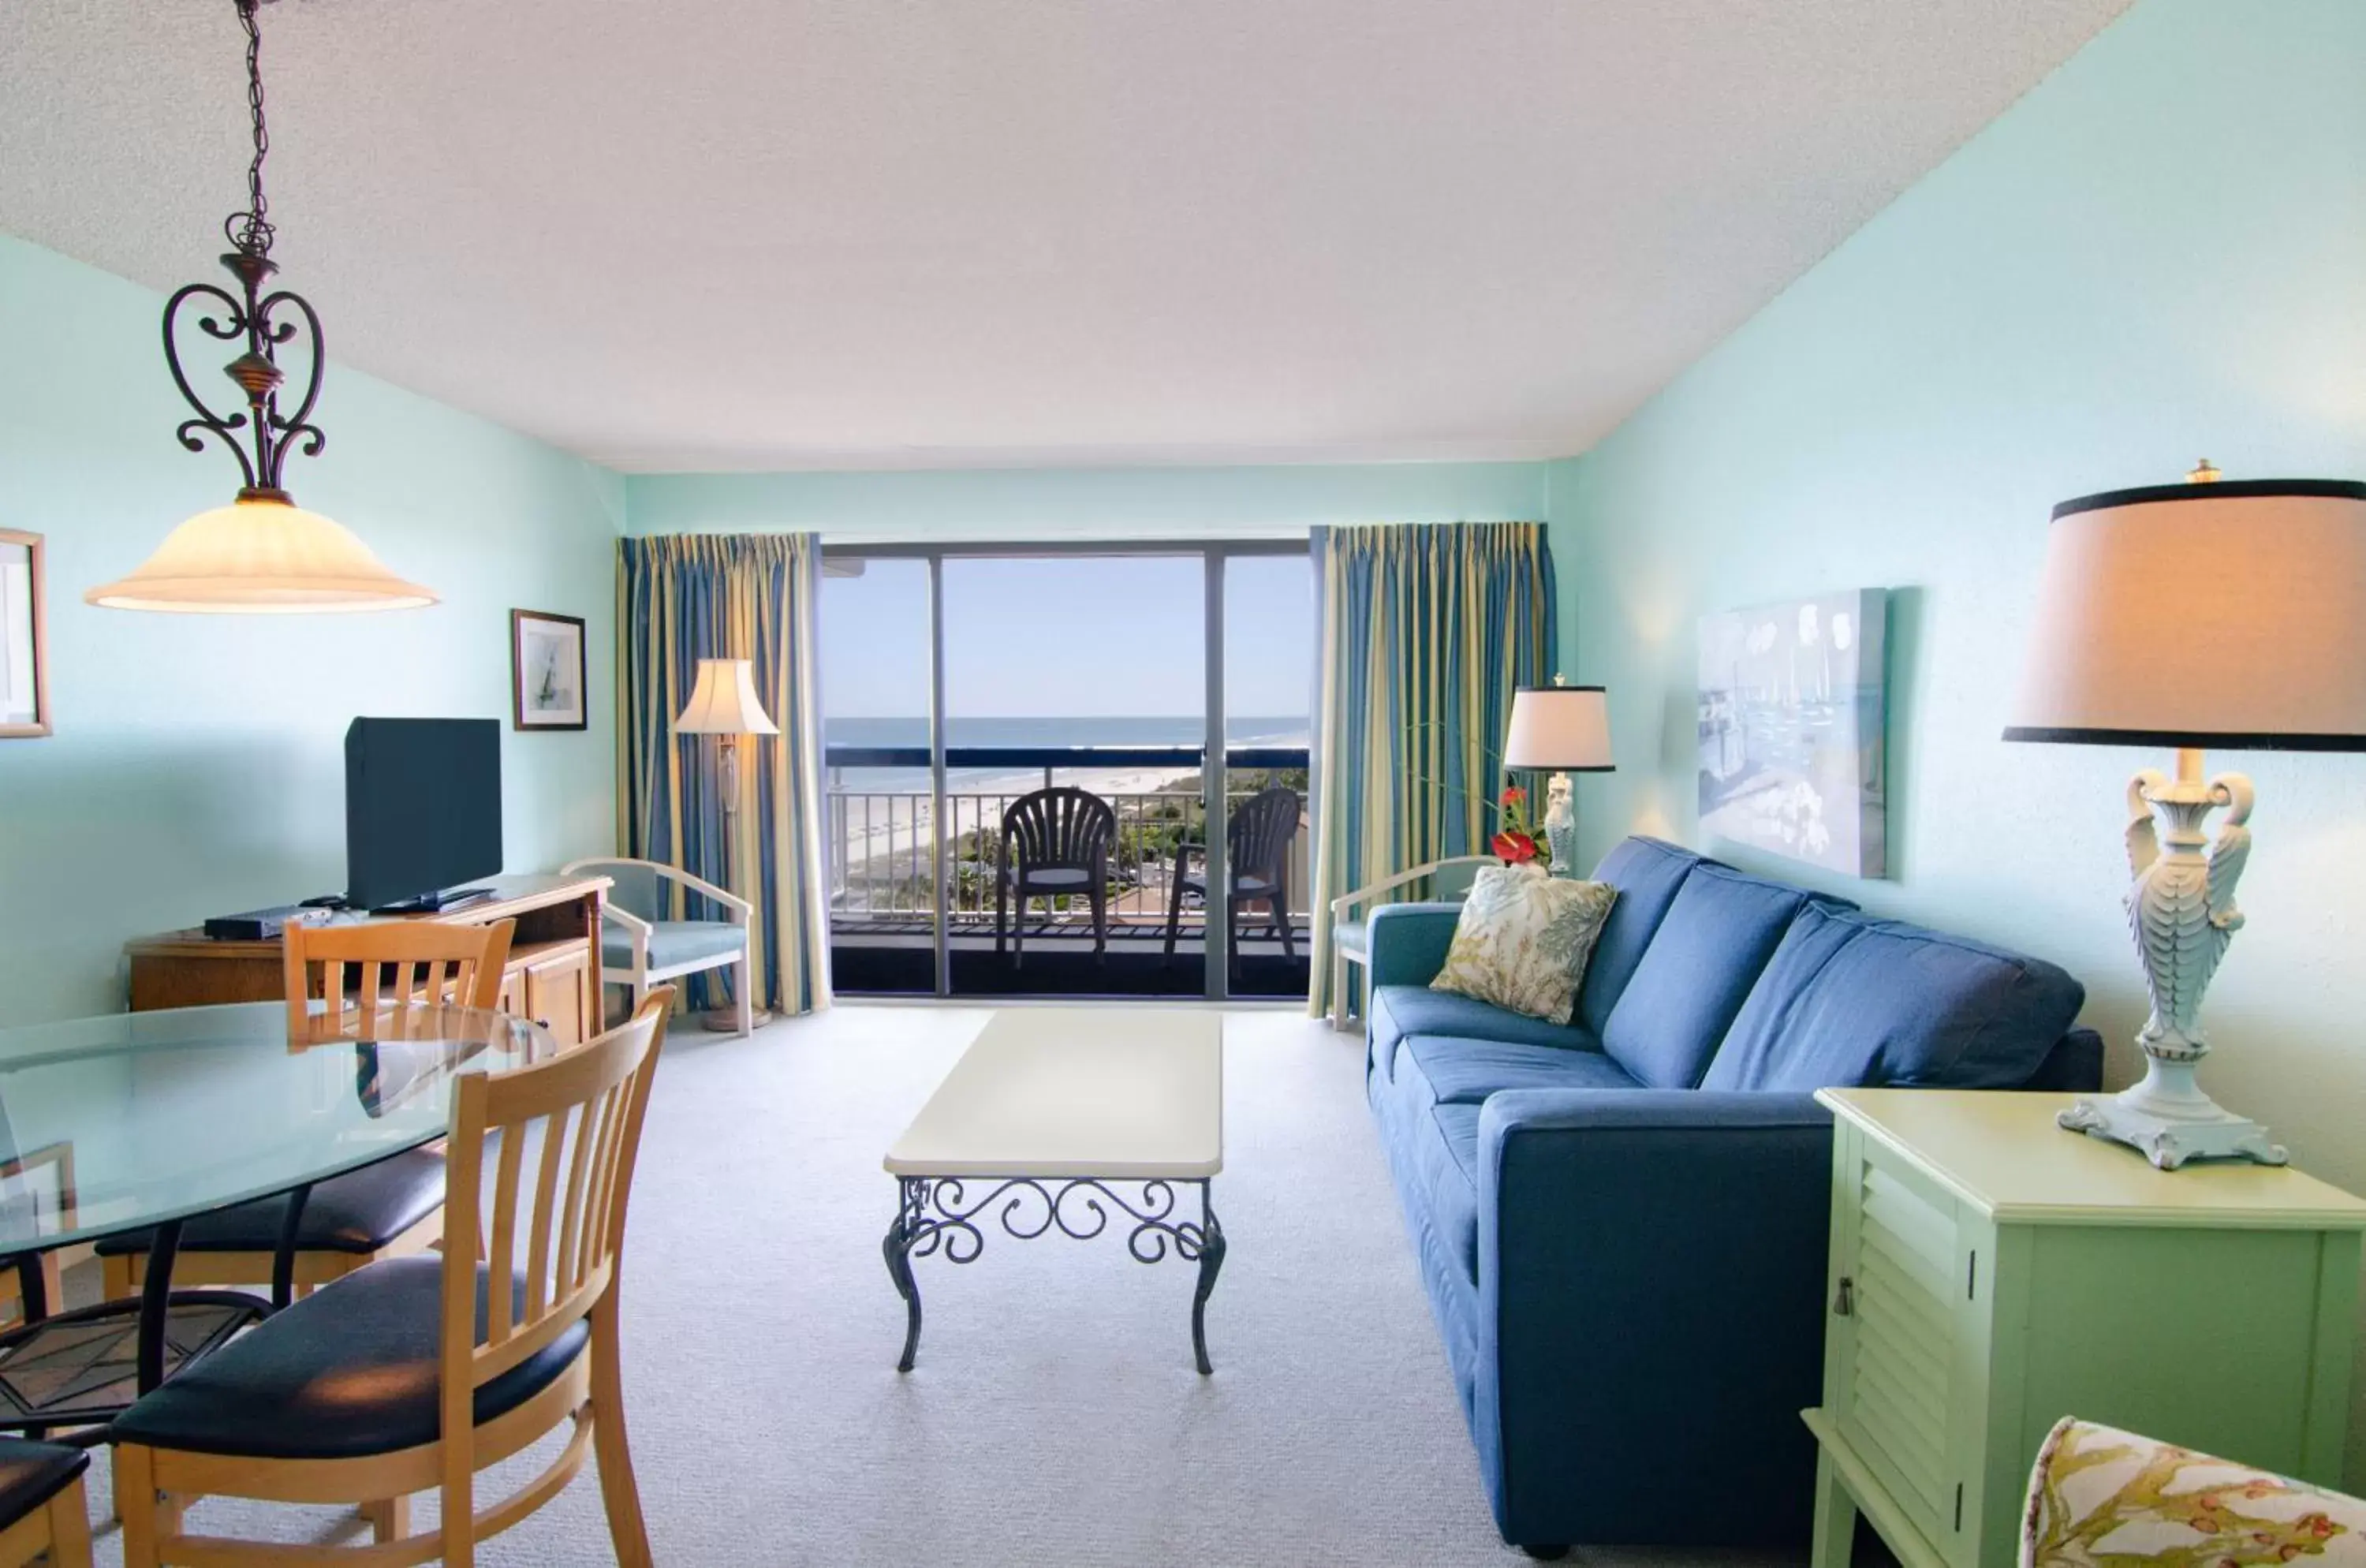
1622 1222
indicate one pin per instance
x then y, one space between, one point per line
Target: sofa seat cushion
1401 1011
350 1371
1448 1174
1465 1072
672 942
1647 873
1718 933
1847 1000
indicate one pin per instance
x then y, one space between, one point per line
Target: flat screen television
423 810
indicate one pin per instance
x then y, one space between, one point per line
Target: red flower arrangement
1515 842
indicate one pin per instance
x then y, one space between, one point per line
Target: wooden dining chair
417 1374
392 1209
44 1512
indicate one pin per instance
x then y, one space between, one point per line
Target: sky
1068 636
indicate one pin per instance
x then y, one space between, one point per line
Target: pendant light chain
251 231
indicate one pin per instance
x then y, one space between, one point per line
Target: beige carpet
1054 1417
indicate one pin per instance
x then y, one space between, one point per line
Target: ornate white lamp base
2181 912
1561 826
2168 1127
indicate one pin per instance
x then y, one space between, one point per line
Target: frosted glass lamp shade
1559 729
724 702
2205 616
261 556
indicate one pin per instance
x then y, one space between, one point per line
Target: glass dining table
137 1122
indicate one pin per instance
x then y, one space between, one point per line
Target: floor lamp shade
2230 614
1559 729
724 702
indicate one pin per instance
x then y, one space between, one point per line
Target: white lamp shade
2230 614
1561 729
724 702
261 556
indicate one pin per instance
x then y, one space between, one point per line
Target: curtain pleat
680 598
1423 633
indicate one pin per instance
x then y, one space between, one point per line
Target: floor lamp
724 704
1564 730
2206 613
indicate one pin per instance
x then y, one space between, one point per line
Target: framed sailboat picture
1792 744
546 671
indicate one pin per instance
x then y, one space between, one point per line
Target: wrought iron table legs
936 1214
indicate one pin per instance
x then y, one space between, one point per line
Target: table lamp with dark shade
1559 729
2211 613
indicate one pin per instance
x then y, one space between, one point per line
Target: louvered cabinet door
1905 1353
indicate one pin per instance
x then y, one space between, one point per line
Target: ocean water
1239 730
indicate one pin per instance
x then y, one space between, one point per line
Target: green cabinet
1991 1274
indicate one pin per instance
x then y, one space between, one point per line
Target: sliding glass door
1268 667
1020 792
878 783
1075 722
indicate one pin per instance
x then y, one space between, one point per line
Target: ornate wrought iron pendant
262 552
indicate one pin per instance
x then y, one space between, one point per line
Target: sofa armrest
1408 943
1652 1269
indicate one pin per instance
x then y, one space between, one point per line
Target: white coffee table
1054 1116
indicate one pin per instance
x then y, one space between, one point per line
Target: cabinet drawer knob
1844 1297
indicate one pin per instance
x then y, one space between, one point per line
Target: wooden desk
552 977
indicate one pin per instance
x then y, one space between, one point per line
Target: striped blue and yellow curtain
680 598
1424 631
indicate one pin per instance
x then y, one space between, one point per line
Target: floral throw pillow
1523 938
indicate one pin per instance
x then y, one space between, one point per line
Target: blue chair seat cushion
32 1473
1400 1012
1465 1072
351 1371
674 942
356 1212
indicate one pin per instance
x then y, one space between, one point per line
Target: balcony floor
877 957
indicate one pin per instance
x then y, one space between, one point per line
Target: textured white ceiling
835 233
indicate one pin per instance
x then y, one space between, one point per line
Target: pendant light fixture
262 553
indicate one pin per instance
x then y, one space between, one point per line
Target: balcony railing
882 843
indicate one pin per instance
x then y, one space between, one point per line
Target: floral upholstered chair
2101 1497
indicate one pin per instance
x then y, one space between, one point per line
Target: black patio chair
1257 851
1055 844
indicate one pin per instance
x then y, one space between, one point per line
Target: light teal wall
2158 255
1055 503
198 764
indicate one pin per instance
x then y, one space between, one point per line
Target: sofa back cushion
1647 873
1852 1000
1720 929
